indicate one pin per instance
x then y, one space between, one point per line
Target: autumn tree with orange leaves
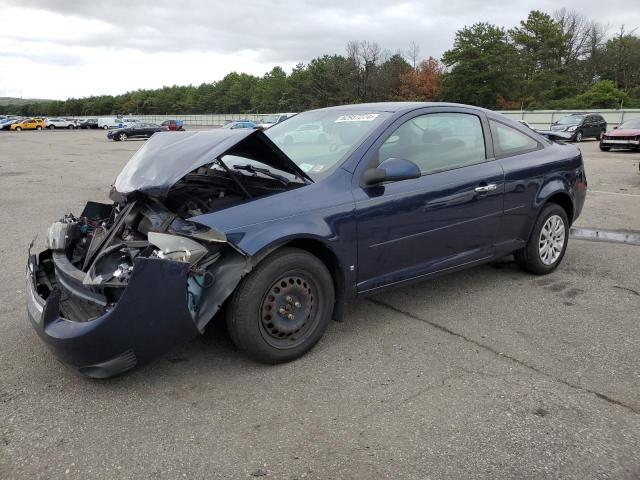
424 83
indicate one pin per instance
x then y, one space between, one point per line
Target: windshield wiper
265 171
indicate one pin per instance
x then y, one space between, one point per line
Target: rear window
508 141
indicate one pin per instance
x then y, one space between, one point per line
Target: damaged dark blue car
285 226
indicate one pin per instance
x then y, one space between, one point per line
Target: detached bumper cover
150 317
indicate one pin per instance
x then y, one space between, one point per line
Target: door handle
486 188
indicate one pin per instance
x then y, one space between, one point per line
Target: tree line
563 60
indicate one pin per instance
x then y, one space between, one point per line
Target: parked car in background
6 123
136 130
581 125
275 119
626 136
283 236
28 124
305 133
173 125
56 122
88 123
233 125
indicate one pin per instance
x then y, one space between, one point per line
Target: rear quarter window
508 141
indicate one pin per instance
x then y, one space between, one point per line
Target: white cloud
63 48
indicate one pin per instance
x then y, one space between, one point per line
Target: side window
509 141
437 141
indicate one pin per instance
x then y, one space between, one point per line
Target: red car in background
625 136
175 125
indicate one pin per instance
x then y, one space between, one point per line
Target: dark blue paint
406 230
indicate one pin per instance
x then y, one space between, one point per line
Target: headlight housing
572 128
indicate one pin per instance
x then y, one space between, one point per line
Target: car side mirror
391 170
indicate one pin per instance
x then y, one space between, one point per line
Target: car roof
394 107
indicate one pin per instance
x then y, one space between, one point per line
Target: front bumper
150 317
612 142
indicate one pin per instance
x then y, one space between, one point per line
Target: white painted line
614 193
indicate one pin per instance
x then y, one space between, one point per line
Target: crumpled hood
168 156
626 132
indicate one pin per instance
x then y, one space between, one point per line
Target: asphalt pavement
487 373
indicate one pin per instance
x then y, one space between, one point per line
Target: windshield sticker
317 168
357 117
305 167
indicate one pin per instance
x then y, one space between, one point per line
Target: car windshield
270 119
635 123
571 120
319 141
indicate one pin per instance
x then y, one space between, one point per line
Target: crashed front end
106 297
123 282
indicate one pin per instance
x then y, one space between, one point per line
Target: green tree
541 44
483 65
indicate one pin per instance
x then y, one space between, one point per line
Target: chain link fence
540 119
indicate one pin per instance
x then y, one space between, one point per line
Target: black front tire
605 149
252 319
578 136
529 257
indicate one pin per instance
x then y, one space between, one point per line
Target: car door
144 129
587 126
449 217
519 154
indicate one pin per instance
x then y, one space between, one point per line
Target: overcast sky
75 48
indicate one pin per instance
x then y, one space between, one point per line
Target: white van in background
271 120
115 122
110 122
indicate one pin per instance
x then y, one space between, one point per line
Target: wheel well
565 202
330 260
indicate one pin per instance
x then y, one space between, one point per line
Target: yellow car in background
28 124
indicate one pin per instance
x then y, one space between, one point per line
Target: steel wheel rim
289 311
579 136
122 137
551 241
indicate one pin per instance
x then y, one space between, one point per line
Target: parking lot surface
487 373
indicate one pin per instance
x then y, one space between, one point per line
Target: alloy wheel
551 241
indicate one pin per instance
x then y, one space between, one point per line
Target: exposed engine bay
91 257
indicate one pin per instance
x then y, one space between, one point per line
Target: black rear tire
291 281
605 149
529 257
